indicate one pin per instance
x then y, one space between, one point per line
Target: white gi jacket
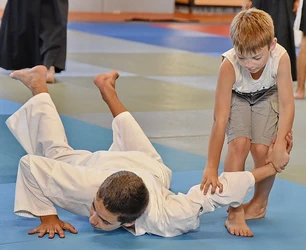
54 173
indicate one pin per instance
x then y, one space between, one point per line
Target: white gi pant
54 173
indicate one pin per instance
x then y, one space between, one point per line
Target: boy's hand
210 177
52 225
296 4
246 4
279 159
280 154
289 139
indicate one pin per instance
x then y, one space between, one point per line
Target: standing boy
254 102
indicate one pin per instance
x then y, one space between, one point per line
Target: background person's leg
301 63
53 34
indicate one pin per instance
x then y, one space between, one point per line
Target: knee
240 147
259 151
24 162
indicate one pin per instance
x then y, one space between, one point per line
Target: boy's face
254 62
101 218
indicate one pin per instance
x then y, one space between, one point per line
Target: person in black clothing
34 32
301 59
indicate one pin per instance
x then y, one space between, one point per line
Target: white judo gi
54 173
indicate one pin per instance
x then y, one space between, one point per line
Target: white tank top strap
244 82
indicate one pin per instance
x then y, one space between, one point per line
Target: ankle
39 90
300 89
51 69
258 204
50 75
235 210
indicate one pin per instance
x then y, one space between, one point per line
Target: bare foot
254 210
34 78
106 83
299 95
50 75
235 223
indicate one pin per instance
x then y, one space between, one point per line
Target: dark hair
124 194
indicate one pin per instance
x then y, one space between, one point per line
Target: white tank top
245 83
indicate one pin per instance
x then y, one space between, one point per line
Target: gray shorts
257 120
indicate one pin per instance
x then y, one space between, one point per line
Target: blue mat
283 227
170 38
8 107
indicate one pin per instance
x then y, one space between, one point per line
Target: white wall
153 6
2 4
86 5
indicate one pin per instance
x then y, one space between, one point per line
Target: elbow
220 121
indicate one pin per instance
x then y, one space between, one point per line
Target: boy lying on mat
126 186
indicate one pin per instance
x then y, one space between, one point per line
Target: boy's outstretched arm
223 98
280 156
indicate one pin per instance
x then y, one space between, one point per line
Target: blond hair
251 30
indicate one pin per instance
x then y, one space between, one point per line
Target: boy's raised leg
264 172
107 84
34 79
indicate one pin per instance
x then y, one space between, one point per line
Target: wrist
211 168
280 145
273 169
47 218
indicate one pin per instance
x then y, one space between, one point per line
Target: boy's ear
273 44
129 224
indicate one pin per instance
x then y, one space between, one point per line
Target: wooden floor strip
123 17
